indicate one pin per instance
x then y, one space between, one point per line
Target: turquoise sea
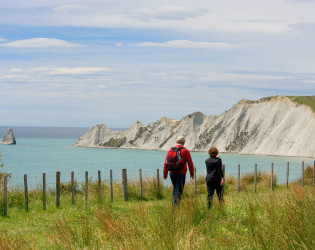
47 150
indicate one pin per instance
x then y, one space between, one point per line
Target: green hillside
306 100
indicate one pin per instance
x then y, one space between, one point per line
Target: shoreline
196 151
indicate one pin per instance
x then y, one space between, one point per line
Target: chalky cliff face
273 126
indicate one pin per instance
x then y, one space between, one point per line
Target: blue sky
82 63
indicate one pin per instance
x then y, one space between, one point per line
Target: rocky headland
269 126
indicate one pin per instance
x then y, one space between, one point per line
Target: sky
78 63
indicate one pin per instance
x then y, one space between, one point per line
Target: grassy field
279 219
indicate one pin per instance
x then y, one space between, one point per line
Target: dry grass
279 219
9 242
308 176
263 180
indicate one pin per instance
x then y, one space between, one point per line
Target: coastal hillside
306 100
270 126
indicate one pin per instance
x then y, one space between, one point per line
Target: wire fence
55 187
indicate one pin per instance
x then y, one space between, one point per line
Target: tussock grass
13 242
308 176
279 219
149 189
263 180
73 234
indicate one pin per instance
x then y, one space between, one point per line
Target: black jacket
214 169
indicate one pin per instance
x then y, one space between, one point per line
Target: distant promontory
281 125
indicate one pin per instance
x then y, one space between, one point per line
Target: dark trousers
211 186
178 181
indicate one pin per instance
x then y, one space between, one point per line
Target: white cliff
270 126
8 137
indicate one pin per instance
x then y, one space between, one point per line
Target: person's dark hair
213 151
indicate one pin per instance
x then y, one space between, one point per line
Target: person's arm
190 163
165 171
221 172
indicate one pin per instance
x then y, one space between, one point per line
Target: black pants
211 186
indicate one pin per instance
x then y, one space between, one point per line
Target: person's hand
218 156
164 178
192 177
222 182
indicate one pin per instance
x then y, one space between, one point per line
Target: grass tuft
278 219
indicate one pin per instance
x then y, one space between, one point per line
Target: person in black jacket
214 178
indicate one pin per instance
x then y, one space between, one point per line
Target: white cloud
22 76
259 20
70 8
39 43
310 82
101 86
239 79
16 70
301 1
213 37
168 12
78 71
186 45
31 74
187 16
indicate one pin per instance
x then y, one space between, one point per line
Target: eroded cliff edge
269 126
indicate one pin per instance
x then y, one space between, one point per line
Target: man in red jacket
178 177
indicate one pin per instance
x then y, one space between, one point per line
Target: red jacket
185 155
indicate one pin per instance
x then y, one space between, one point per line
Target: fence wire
36 182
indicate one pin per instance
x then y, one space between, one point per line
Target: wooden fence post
44 191
140 179
314 174
111 185
124 184
271 176
288 167
238 178
86 186
5 195
99 185
72 188
195 180
158 181
26 192
302 173
58 189
255 178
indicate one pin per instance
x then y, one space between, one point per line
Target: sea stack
8 137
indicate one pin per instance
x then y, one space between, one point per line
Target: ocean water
48 150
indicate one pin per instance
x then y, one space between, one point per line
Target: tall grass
262 222
9 242
279 219
308 176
